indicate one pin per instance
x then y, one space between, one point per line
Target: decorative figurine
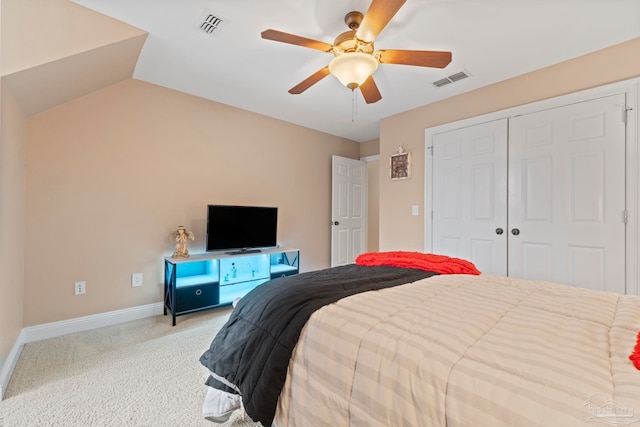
181 235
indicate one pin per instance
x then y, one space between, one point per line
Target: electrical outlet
80 288
136 280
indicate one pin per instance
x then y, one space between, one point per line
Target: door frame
631 89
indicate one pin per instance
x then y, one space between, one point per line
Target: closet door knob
336 223
499 231
515 231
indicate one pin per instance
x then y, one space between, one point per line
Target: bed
439 350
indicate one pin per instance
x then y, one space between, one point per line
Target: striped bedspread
460 350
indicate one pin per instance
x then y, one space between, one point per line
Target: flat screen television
241 229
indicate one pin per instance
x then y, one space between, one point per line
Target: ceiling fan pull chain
353 105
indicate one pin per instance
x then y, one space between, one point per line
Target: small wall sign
400 164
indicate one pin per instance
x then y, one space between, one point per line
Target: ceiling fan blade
370 91
377 17
421 58
309 81
280 36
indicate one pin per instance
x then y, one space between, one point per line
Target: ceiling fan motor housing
347 42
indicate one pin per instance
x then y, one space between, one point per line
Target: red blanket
429 262
635 356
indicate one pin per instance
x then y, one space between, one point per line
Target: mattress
462 350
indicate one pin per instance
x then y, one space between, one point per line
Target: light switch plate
136 280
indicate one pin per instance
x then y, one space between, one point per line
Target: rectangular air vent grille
442 82
458 76
451 79
209 22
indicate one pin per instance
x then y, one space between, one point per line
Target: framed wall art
400 164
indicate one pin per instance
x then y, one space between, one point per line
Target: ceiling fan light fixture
353 68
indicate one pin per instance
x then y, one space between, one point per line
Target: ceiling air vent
209 23
451 79
442 82
458 76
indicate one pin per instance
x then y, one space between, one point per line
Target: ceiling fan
355 59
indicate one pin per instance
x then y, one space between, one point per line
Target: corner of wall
79 324
369 148
8 365
12 228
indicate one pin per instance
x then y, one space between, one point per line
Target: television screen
241 227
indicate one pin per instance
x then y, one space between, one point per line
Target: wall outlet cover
80 288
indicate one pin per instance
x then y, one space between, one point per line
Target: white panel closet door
470 195
567 195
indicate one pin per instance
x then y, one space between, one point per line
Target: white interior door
348 210
470 195
567 195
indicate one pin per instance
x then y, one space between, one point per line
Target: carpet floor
139 373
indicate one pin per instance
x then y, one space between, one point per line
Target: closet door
567 195
470 195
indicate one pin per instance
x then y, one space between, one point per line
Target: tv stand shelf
215 279
244 251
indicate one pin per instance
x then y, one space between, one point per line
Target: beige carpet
140 373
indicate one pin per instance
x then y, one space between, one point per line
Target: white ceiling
491 39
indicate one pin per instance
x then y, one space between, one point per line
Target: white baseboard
10 363
70 326
79 324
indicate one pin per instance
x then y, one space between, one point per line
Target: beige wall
12 210
112 174
48 30
369 148
373 206
398 228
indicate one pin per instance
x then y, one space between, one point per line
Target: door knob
515 231
499 231
335 223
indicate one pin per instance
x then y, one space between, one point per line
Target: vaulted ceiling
491 40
